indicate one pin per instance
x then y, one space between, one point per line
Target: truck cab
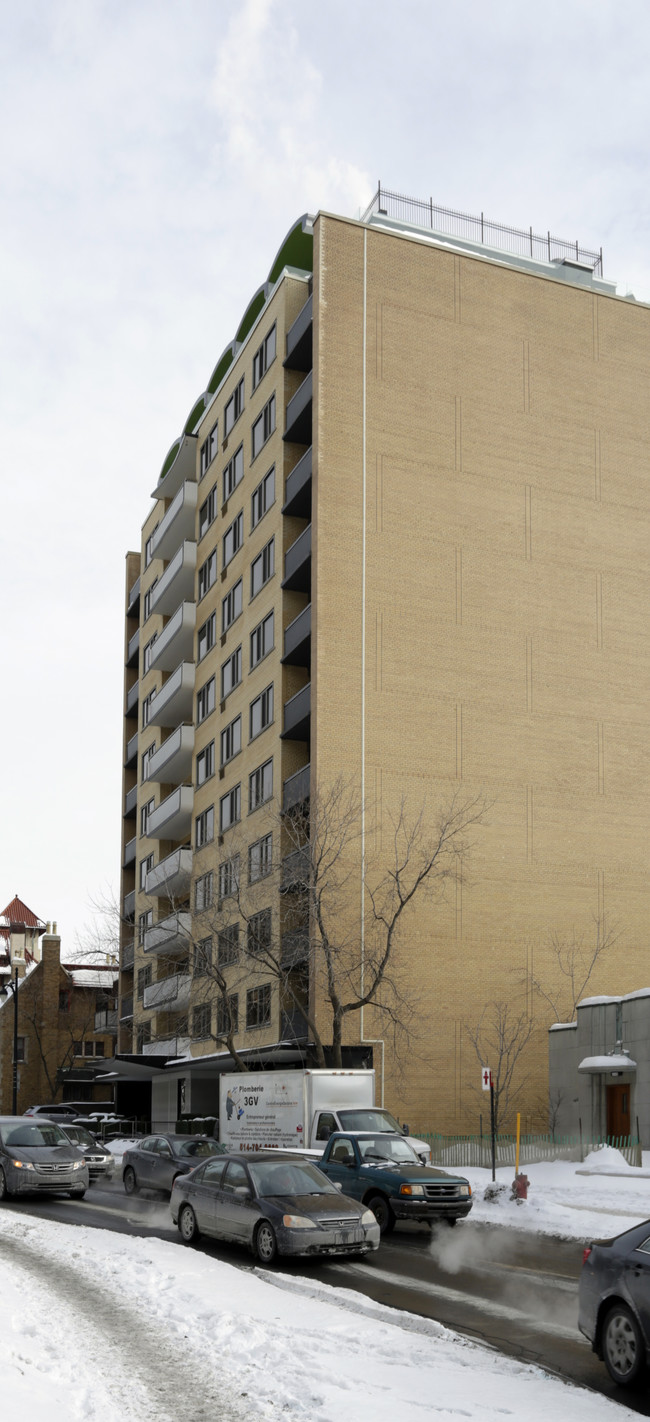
362 1118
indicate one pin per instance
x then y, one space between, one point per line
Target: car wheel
189 1230
452 1220
4 1190
130 1181
266 1245
77 1194
622 1343
382 1213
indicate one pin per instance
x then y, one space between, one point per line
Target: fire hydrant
520 1188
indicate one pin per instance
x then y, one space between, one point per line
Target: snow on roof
563 1027
597 1001
640 992
91 977
617 1062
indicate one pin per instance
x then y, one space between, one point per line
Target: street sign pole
492 1127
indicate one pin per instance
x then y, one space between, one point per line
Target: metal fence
477 1150
520 241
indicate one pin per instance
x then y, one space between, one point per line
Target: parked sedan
272 1204
156 1161
35 1156
99 1159
383 1172
614 1302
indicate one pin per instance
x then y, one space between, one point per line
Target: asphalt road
514 1292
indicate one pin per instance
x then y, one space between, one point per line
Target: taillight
585 1254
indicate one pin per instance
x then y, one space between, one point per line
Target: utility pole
14 1100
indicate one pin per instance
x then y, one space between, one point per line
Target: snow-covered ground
110 1328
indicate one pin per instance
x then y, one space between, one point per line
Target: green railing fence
477 1150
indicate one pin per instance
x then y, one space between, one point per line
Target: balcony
179 465
168 994
126 1008
173 703
296 789
106 1021
126 957
132 699
172 819
299 413
170 1047
172 762
295 871
133 649
171 878
297 490
128 906
297 564
294 949
299 339
131 802
133 599
130 852
176 584
297 716
297 640
293 1027
170 935
174 644
131 753
177 524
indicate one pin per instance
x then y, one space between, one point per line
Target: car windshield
289 1177
32 1135
80 1136
389 1148
368 1120
199 1149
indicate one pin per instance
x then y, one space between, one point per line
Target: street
514 1292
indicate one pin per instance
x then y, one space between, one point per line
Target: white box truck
300 1109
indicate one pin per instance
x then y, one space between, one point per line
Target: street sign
486 1078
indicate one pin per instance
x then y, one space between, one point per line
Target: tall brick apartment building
403 538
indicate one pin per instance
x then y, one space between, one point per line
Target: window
201 1020
231 742
203 892
259 932
88 1049
145 813
231 674
205 764
143 1036
209 449
148 548
262 497
233 473
204 826
228 1014
151 750
260 785
262 640
147 706
144 980
208 511
263 427
206 636
228 945
145 921
147 599
233 539
258 1006
203 958
146 865
229 877
261 712
230 808
260 859
99 1049
263 357
64 1000
233 408
205 700
146 655
207 573
263 567
231 606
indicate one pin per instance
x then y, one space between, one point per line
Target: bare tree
574 962
500 1038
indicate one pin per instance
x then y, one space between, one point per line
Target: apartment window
233 539
147 706
204 828
147 599
99 1049
208 511
203 892
64 1000
146 654
145 812
263 567
263 357
146 865
89 1049
231 605
143 1036
206 700
231 674
146 757
148 548
231 741
260 785
258 1006
228 1014
230 808
233 473
145 921
207 573
209 449
228 945
261 712
144 980
262 640
263 427
201 1021
262 497
260 858
203 958
229 877
206 636
233 408
205 764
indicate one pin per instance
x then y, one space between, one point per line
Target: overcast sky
154 155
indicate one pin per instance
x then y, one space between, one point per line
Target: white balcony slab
176 584
170 994
171 878
171 1047
170 935
172 819
173 703
172 762
181 461
177 524
176 641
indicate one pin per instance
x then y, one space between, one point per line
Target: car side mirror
338 1185
243 1192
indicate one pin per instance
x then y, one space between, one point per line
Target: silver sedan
36 1156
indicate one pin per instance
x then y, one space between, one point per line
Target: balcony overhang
297 716
174 644
170 994
172 762
171 1047
171 877
170 935
296 788
297 490
177 524
299 414
176 584
617 1064
173 818
173 703
297 640
179 465
297 564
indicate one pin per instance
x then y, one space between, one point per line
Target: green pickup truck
384 1173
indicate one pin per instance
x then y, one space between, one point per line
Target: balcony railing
174 644
126 1008
131 801
179 465
295 871
172 762
170 1047
171 877
173 703
106 1021
297 640
299 339
176 584
127 956
129 905
177 524
297 716
169 935
299 413
170 994
297 490
130 852
172 819
297 564
132 698
293 1026
296 789
294 948
131 750
133 649
133 598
